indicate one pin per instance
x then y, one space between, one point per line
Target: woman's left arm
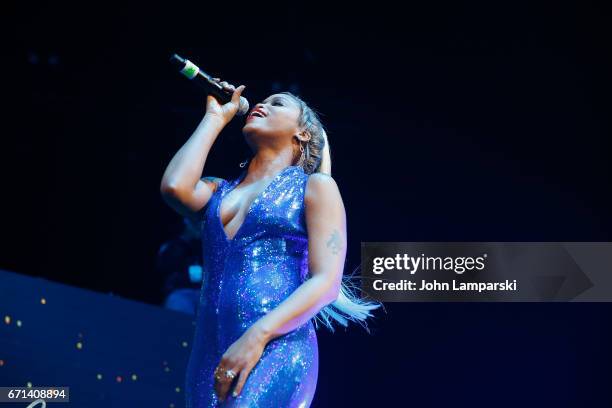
326 224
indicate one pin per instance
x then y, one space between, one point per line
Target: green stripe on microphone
190 70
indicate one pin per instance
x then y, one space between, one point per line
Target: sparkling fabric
244 278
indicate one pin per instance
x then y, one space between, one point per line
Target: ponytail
325 165
348 306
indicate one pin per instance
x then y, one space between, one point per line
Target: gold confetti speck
18 323
178 389
99 376
79 345
43 301
7 319
134 377
184 344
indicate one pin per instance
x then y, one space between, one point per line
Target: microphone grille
244 106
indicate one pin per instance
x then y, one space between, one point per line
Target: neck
267 163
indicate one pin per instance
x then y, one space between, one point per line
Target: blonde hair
317 158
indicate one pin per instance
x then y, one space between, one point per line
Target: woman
274 244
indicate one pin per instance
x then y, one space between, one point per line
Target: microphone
193 72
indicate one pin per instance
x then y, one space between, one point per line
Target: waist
266 253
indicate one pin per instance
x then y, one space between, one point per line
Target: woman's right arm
181 186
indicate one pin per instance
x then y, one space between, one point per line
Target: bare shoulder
320 187
212 181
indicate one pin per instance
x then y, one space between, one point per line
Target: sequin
246 277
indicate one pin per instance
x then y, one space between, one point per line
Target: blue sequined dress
244 278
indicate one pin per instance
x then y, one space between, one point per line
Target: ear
303 136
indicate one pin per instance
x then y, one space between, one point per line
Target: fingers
223 383
224 387
236 95
244 374
226 86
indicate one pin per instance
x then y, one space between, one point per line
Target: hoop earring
302 158
244 163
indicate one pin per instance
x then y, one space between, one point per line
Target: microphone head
244 106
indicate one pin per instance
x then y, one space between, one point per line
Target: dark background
447 122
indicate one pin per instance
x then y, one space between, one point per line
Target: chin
249 126
251 129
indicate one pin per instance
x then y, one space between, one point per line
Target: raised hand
226 111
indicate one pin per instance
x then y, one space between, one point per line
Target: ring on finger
219 373
230 374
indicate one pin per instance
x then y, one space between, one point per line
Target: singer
274 245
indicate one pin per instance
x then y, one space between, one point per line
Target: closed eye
276 101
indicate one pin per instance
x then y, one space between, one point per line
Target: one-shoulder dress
243 279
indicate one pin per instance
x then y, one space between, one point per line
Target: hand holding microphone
228 110
224 100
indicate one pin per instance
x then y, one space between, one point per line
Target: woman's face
276 117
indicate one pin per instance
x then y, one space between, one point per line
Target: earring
244 163
302 158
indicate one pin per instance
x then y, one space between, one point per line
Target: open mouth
257 113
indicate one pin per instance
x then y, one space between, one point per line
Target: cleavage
235 206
